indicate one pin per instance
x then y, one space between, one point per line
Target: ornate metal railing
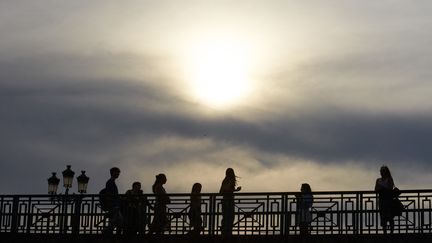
347 212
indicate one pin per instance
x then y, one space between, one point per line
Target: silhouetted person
136 208
195 209
160 219
227 189
304 205
114 214
384 186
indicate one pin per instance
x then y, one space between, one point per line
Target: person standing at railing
228 188
384 186
160 219
136 209
114 214
195 209
304 205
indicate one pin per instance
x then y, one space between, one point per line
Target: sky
284 92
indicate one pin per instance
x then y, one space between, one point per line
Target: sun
219 72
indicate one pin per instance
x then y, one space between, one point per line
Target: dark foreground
58 238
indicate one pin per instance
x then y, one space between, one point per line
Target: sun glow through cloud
219 72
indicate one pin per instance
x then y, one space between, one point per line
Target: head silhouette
305 187
161 179
114 172
136 186
230 173
385 172
230 176
196 188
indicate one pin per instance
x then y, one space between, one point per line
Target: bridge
349 216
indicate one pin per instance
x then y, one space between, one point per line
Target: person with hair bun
160 219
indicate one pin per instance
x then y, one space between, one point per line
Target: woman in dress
160 219
384 186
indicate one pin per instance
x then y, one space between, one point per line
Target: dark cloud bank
48 124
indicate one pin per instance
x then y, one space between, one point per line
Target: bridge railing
346 212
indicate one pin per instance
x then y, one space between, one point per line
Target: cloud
186 161
93 123
346 97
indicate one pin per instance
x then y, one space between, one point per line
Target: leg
230 217
391 221
227 216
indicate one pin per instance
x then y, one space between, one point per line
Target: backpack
104 200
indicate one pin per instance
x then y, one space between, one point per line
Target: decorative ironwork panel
254 214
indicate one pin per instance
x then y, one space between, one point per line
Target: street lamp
68 175
82 182
65 202
53 182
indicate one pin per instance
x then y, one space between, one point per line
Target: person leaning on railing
304 205
135 211
384 186
227 189
194 213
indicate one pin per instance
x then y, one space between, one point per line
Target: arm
228 186
378 186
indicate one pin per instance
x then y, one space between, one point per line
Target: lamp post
53 182
82 182
67 200
68 175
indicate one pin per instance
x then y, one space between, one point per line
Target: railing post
212 215
284 216
420 213
77 215
15 216
358 215
64 217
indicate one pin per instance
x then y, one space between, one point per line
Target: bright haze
284 92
